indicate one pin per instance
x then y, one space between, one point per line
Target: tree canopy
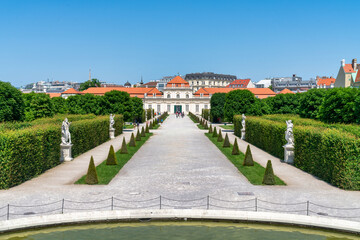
217 103
89 83
239 102
11 103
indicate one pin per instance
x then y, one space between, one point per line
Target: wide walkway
178 162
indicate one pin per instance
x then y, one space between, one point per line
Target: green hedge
29 152
330 152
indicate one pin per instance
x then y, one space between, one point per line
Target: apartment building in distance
208 80
294 84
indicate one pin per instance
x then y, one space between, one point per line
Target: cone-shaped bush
151 125
226 141
147 129
269 178
143 134
138 136
220 138
132 141
210 129
214 133
91 176
124 149
206 126
111 159
248 160
235 150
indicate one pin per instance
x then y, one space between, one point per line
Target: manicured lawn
254 173
107 172
229 127
200 126
193 119
156 126
128 126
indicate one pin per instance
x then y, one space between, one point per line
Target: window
197 107
158 108
206 106
168 107
187 95
187 108
168 96
201 94
149 106
154 94
177 95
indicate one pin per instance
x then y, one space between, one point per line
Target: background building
208 80
265 83
241 83
294 83
348 75
325 82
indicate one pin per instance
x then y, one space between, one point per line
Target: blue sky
122 40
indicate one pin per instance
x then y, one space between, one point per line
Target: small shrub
226 142
111 159
214 133
138 136
220 137
235 150
132 141
143 134
210 129
124 149
269 178
151 125
91 176
147 128
248 160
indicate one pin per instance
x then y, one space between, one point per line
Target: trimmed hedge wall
330 153
29 152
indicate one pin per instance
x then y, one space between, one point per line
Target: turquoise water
177 231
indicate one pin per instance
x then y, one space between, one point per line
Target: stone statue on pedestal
289 135
289 146
112 121
65 132
243 121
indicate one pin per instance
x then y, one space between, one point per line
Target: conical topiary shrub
111 159
147 129
143 134
214 133
124 149
235 150
132 141
138 136
269 178
248 160
91 176
210 129
206 125
150 125
226 141
220 137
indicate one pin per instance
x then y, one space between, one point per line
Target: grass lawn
193 119
156 126
254 174
107 172
200 126
128 126
229 127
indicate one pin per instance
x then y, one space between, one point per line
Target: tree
60 105
235 150
286 103
11 103
239 102
226 141
74 104
217 103
111 159
123 149
118 102
269 177
137 108
90 83
310 102
91 176
91 104
38 105
248 160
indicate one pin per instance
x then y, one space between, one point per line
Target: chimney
354 64
343 63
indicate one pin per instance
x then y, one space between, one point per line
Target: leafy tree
310 102
11 103
217 103
60 105
286 103
38 105
89 83
119 103
339 105
137 108
74 104
239 102
92 104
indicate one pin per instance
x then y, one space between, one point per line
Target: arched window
177 95
168 96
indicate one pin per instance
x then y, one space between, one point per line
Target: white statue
112 121
289 135
65 133
243 121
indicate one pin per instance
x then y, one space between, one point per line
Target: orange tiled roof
71 91
286 91
239 83
258 92
348 68
357 79
134 92
325 81
54 95
178 81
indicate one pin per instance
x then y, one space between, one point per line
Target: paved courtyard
177 162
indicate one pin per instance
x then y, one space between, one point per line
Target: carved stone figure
243 121
65 133
112 121
289 135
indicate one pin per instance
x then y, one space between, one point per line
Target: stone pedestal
289 153
65 150
112 133
242 134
